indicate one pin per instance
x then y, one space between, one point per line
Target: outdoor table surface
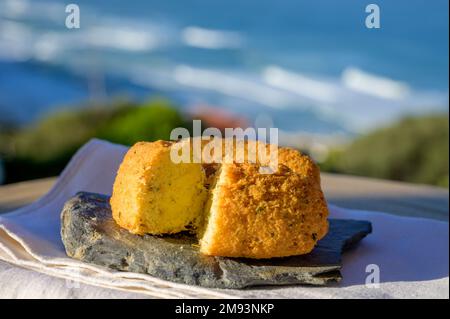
342 190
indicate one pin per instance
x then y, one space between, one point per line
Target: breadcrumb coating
256 215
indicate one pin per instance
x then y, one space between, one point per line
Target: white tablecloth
410 253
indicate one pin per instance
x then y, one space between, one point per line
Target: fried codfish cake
153 195
256 215
235 210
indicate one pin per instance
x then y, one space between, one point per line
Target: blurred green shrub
149 122
416 149
45 148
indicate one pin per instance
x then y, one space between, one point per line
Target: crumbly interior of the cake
211 202
173 199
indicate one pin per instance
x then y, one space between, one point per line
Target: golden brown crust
127 185
299 163
290 157
257 215
151 194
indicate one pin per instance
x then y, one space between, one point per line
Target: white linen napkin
411 254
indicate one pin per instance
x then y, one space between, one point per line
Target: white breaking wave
19 41
231 85
14 8
375 85
15 39
42 10
122 38
300 84
363 99
210 39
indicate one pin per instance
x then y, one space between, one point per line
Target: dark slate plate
90 234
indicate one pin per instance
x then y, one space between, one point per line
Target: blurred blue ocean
310 66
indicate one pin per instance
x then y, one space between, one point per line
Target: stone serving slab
90 234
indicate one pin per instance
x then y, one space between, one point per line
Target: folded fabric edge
63 178
102 279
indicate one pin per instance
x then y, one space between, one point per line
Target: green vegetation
416 149
45 148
